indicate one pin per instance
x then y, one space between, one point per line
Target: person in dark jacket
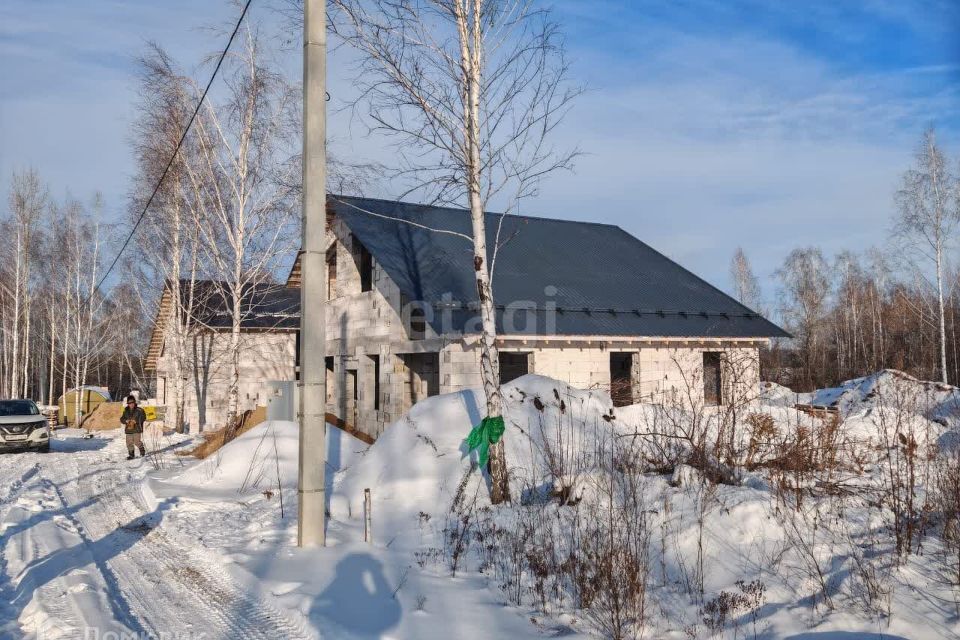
132 420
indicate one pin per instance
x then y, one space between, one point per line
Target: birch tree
86 335
470 91
243 176
28 199
805 282
54 333
88 324
926 221
169 240
746 287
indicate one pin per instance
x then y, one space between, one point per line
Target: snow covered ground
92 543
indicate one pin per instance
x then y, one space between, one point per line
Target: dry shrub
906 465
621 392
561 450
763 430
459 530
730 605
948 505
613 559
682 429
806 535
809 449
800 454
557 554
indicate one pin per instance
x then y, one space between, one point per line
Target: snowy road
83 555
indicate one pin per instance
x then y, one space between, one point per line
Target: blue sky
707 124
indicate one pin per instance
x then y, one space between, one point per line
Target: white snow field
94 546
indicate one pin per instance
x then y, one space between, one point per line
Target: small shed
89 397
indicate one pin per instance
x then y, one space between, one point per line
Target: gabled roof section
295 276
265 307
600 279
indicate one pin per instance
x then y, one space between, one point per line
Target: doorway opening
712 379
422 377
621 379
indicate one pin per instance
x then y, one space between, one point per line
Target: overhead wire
176 150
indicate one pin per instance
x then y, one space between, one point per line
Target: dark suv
22 426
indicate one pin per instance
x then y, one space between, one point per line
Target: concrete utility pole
312 384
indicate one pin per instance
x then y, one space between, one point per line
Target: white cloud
697 140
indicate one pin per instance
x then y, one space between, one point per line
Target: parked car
22 426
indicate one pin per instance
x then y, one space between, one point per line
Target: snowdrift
934 400
254 461
250 462
752 529
420 462
777 395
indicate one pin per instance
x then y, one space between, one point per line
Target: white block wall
365 324
263 357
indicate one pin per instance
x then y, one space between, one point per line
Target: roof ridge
520 216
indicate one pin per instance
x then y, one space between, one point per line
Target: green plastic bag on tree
488 432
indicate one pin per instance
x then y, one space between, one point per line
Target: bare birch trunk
942 316
5 361
17 293
26 351
64 372
233 401
470 51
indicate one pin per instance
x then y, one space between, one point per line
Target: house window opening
331 384
418 322
513 366
376 382
332 273
366 269
712 379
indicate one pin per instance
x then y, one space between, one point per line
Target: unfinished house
585 303
269 324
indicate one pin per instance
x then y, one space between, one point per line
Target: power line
173 157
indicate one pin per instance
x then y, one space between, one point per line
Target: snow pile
874 407
264 458
777 395
250 462
779 529
570 455
891 387
420 462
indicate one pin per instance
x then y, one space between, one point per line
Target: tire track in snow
59 590
119 606
169 588
17 480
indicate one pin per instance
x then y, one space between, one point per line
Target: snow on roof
102 391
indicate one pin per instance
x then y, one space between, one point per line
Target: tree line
57 329
894 306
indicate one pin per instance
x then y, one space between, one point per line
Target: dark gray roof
264 306
602 280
